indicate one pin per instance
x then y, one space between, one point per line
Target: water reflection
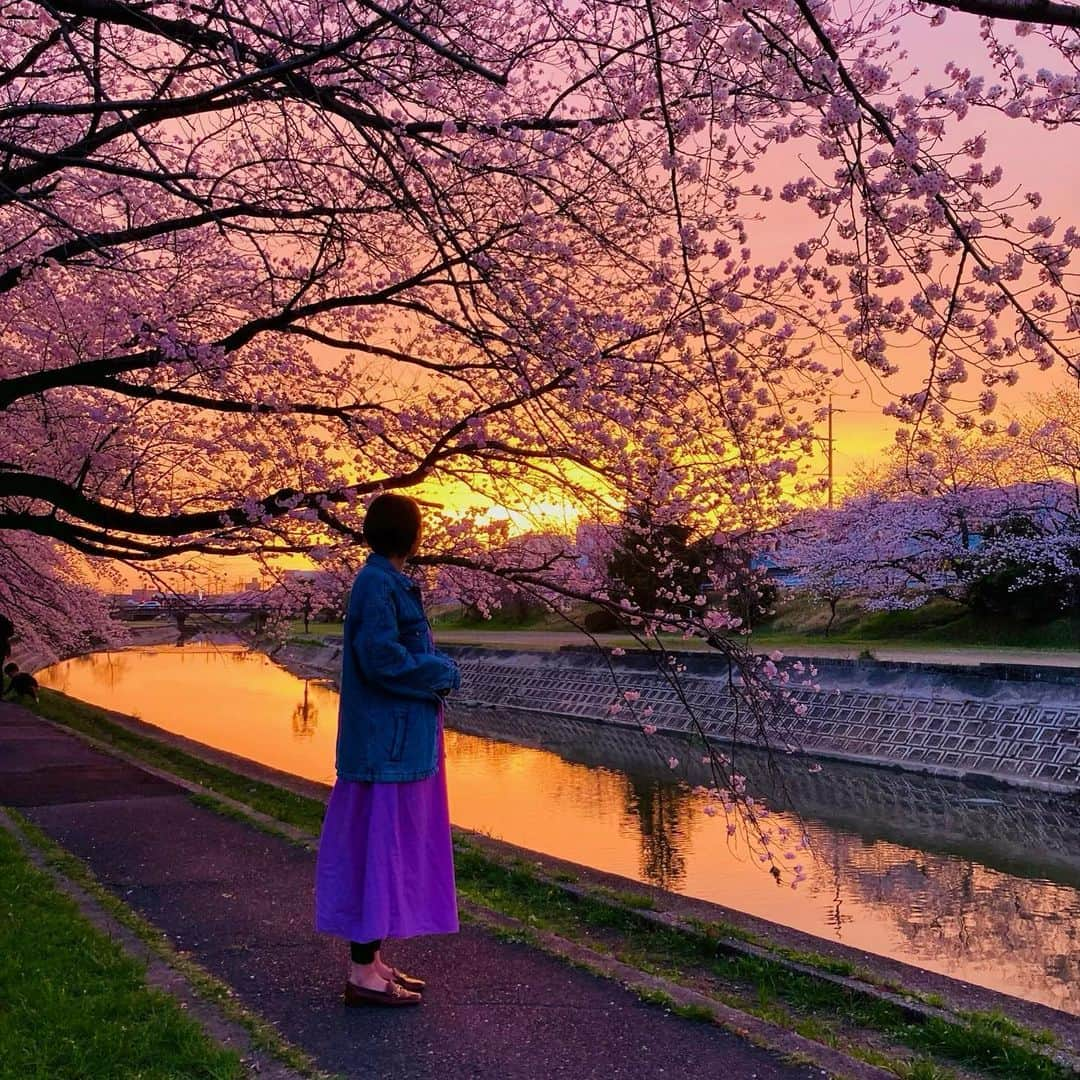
305 717
662 814
981 885
105 669
215 693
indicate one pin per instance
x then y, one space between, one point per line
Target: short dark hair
392 524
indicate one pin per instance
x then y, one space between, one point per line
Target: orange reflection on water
944 912
221 695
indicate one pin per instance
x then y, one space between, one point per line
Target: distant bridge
180 608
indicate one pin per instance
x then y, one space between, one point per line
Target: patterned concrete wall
983 727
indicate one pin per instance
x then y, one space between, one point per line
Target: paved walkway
239 901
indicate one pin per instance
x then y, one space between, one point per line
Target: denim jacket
391 678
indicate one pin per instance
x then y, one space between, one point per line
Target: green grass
799 621
824 963
700 1013
453 617
73 1005
924 1069
625 898
658 998
316 631
939 622
264 1036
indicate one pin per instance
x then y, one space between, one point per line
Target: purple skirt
386 861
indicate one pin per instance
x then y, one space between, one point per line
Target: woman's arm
385 662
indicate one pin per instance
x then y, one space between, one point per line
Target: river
982 885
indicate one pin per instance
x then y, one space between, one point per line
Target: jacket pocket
401 731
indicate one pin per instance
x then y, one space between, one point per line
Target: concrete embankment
1013 724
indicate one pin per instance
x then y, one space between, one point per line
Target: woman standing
385 866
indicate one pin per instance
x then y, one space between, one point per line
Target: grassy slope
72 1005
800 622
936 623
315 629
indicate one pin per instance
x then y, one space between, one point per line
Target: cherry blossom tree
1050 434
1028 567
981 521
260 263
56 606
536 570
263 266
657 563
884 553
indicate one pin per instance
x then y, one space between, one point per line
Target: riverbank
985 723
137 634
902 649
230 889
902 864
800 622
621 922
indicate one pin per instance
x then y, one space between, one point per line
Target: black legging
363 952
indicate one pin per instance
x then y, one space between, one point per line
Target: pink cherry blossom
256 270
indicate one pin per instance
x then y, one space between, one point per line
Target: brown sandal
409 982
393 996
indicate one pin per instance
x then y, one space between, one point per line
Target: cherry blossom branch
885 127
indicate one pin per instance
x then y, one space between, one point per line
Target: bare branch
1046 12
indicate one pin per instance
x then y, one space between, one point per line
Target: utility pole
829 453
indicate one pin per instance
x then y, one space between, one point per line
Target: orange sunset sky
1033 159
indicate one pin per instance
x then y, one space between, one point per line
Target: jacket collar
382 563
